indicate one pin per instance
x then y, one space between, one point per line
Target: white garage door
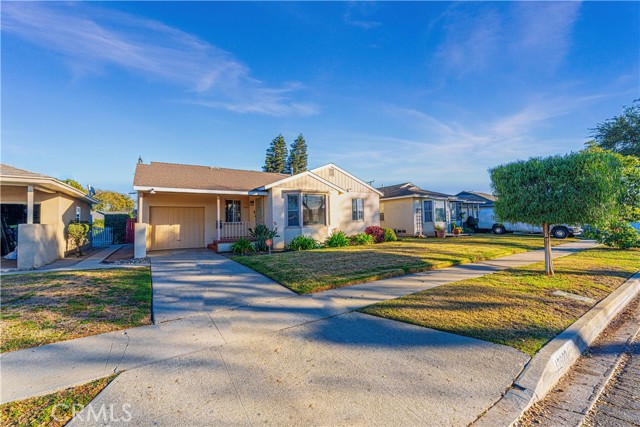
176 227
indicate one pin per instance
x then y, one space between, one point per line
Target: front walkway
92 262
268 354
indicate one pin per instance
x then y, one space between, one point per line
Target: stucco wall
399 214
38 245
339 216
56 209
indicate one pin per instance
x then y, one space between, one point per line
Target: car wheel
560 233
498 229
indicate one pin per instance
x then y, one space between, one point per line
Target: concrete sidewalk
93 262
255 308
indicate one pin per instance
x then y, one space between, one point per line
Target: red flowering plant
376 232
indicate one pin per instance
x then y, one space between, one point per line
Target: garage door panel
176 227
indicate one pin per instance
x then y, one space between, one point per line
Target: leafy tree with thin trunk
620 134
75 184
112 201
298 156
276 158
578 188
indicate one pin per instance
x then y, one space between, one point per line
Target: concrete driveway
192 282
284 359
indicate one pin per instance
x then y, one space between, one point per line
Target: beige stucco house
187 206
36 210
412 211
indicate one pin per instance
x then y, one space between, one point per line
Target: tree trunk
548 261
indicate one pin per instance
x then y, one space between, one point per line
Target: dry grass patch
319 270
39 309
54 409
517 307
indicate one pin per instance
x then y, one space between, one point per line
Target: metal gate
101 236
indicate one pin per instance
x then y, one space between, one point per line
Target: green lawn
54 409
516 307
39 309
322 269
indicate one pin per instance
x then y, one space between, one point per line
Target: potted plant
441 231
455 229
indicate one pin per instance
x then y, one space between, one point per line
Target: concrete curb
556 358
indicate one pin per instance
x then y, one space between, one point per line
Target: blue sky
429 92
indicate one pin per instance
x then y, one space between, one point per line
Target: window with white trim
427 211
293 210
313 209
439 211
232 211
357 209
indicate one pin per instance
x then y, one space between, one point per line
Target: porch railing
235 230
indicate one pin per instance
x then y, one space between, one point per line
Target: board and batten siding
342 180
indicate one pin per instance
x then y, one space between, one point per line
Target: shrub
337 240
362 239
242 246
98 223
78 232
118 225
303 243
618 235
471 222
262 233
390 235
376 232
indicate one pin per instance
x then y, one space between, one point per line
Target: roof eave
60 186
255 192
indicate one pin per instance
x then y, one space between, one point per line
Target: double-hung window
357 209
427 211
232 211
313 209
293 210
439 211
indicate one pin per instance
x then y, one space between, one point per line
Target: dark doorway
13 215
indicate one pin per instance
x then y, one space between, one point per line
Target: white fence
235 230
101 236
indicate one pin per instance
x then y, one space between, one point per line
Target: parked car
487 221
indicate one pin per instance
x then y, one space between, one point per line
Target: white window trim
356 211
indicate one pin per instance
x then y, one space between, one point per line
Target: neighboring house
36 210
487 200
187 206
412 211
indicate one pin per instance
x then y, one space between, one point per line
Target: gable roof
408 189
179 176
477 196
300 175
355 178
12 174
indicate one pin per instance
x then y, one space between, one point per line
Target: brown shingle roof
13 171
173 175
409 189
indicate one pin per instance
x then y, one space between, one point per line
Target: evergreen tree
276 159
298 157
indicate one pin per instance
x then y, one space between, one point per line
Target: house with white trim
189 206
412 211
